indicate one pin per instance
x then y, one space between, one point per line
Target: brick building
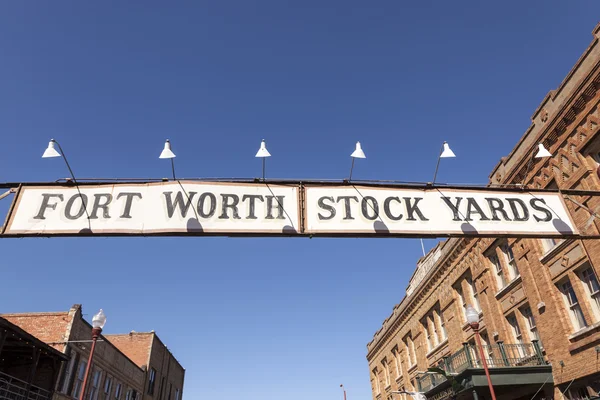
539 299
29 368
125 367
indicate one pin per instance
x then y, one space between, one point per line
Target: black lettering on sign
83 200
129 196
369 211
178 203
270 204
235 199
348 211
212 206
497 206
252 204
523 213
453 207
412 209
387 210
101 200
326 207
46 204
539 205
473 208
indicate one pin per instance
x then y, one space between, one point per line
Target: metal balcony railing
499 355
12 388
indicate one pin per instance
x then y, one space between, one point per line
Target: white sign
155 208
191 207
368 210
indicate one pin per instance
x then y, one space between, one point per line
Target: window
95 384
514 324
170 388
118 392
528 316
592 288
474 294
79 379
129 394
107 386
442 323
68 372
397 361
376 381
151 381
510 260
427 333
410 350
177 394
570 299
386 372
549 243
500 278
462 302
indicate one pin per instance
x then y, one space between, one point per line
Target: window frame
588 276
575 311
77 386
151 381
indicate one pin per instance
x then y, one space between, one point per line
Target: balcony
12 388
512 367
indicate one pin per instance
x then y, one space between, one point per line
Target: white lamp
445 152
263 153
51 150
472 315
167 153
99 320
542 152
357 153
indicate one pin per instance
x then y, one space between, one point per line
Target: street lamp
263 153
357 153
168 153
473 320
342 386
98 322
445 152
51 152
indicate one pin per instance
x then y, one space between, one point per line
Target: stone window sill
555 250
398 379
584 331
509 286
436 348
412 368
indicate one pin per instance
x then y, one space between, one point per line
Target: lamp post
342 386
473 320
98 322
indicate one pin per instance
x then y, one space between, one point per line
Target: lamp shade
167 153
358 152
51 150
99 320
472 315
263 152
446 151
542 152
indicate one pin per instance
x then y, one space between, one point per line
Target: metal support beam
35 355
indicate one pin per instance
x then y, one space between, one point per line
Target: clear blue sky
259 319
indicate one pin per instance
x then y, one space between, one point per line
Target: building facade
29 368
118 372
539 299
